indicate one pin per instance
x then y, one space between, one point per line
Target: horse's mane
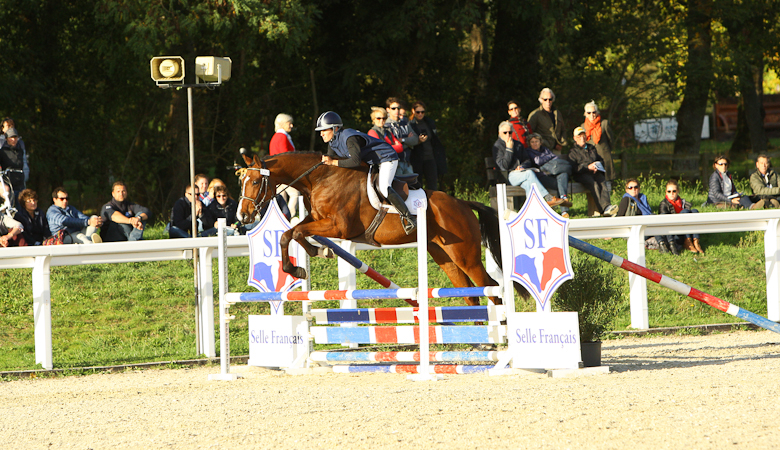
306 155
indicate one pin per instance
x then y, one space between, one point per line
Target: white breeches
386 175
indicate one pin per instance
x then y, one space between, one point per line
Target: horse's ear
246 155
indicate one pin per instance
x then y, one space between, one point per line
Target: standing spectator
556 167
202 183
634 203
429 158
181 215
589 170
521 128
7 124
281 142
598 133
379 131
674 204
722 191
223 207
124 220
510 156
765 182
79 228
547 121
13 159
400 128
36 228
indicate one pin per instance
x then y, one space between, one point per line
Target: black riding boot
406 217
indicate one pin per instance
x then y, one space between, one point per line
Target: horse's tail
488 229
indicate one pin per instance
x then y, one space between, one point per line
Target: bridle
256 202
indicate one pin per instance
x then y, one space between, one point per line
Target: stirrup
408 224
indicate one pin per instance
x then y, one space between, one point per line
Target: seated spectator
552 165
634 203
223 207
599 133
674 204
10 230
36 228
202 183
589 170
13 160
124 220
522 131
79 228
722 192
181 215
765 183
510 156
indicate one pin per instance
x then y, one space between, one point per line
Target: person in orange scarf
674 204
598 133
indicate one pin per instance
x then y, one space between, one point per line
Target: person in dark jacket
124 220
181 215
634 203
765 183
722 191
223 207
429 158
589 170
674 204
36 228
348 148
13 159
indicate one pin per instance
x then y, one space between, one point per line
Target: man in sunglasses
181 215
79 228
547 121
399 126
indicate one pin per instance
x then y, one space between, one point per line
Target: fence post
206 298
42 311
637 284
772 254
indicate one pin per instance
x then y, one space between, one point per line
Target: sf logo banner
540 242
265 255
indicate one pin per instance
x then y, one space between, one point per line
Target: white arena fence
634 229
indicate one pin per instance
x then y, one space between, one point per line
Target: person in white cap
589 171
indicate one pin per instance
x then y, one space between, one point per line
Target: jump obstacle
422 334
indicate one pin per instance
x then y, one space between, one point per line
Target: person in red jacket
281 142
378 118
520 128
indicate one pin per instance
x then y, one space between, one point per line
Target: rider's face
326 135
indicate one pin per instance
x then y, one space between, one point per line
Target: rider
348 147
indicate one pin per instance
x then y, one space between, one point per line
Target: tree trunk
752 93
698 72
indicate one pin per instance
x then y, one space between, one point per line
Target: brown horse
339 208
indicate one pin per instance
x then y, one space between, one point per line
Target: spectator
124 220
400 128
10 230
223 207
36 228
510 156
379 131
202 183
13 159
213 184
429 158
181 215
282 142
547 121
722 192
765 183
521 128
674 204
558 168
7 124
634 203
79 228
599 134
588 169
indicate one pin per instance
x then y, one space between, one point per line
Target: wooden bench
726 116
515 195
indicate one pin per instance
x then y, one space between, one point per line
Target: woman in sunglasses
674 204
634 203
722 191
598 133
223 207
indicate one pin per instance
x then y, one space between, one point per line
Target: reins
264 187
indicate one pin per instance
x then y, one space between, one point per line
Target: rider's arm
353 146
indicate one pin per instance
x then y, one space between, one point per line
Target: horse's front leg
311 249
287 265
299 233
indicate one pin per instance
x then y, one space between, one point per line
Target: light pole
168 73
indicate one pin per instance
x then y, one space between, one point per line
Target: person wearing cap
511 156
347 148
7 124
547 121
13 159
589 170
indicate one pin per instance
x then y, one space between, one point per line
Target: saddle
402 185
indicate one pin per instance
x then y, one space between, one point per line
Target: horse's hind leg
453 272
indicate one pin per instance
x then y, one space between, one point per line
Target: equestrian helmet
328 120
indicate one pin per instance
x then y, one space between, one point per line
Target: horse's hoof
325 252
300 273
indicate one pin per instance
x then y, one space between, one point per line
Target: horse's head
256 188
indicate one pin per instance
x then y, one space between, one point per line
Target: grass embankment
142 312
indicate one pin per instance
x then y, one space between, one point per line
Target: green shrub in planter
594 293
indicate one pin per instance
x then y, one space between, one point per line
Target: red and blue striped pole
675 285
360 265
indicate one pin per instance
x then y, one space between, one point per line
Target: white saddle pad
416 199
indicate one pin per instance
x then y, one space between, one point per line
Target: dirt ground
704 392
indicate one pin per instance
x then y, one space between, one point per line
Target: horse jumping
339 208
